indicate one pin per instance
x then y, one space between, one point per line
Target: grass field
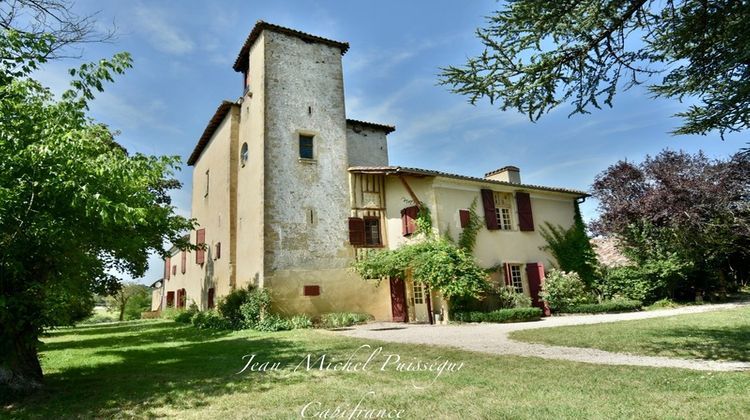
721 335
160 368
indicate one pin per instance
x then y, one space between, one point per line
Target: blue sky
183 53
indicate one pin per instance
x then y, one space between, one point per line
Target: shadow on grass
162 366
703 343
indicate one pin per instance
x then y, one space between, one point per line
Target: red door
535 275
170 299
398 300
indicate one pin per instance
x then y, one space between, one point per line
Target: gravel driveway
493 338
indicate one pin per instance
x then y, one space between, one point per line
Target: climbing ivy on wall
468 238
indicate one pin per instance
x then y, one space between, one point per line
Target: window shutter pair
167 267
356 231
535 276
525 218
200 241
409 220
183 262
488 203
464 216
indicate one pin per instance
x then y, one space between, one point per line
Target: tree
540 54
74 205
132 298
572 248
679 214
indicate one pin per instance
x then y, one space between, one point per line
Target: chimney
505 174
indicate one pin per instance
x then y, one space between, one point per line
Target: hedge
500 315
606 306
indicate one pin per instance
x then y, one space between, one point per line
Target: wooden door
398 300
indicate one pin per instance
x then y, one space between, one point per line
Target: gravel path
493 338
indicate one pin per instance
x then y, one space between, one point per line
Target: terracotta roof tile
213 124
394 170
387 128
241 63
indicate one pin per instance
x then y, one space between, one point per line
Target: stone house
288 192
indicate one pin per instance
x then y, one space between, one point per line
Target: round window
243 154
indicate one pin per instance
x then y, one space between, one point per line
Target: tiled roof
241 63
394 170
213 124
387 128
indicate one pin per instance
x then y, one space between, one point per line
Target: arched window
243 154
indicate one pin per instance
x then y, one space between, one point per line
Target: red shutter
409 220
167 266
200 240
218 250
211 298
183 262
525 218
356 231
535 275
183 298
488 203
177 298
506 273
464 216
170 299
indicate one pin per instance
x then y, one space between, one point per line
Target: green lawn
720 335
160 368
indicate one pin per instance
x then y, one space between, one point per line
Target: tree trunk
447 306
122 311
19 363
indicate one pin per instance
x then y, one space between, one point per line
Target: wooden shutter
506 273
409 220
183 262
525 218
167 267
356 231
464 216
218 250
200 240
488 203
535 276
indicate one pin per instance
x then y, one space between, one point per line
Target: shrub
299 322
255 307
185 316
509 298
210 320
343 319
229 307
628 282
271 323
500 315
615 305
563 290
663 304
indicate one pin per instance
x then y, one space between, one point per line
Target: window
502 211
418 294
515 277
170 299
207 179
311 290
243 154
305 146
372 231
174 270
217 249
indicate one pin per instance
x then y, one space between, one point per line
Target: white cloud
162 34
